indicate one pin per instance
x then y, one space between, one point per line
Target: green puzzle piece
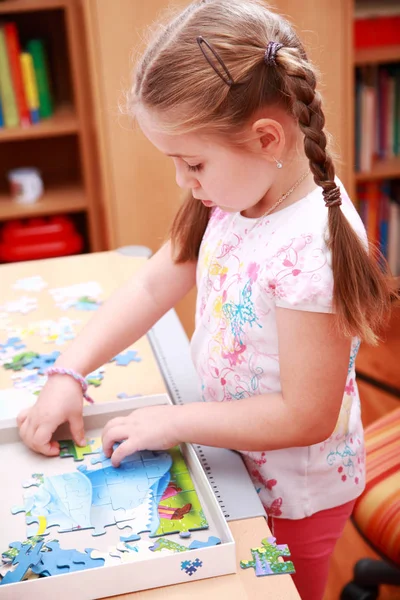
69 448
19 361
162 543
266 559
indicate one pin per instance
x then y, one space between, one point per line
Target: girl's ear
269 138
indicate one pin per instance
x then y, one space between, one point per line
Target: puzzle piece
12 343
23 305
111 558
212 541
68 448
190 567
20 361
125 358
266 559
35 283
96 377
58 560
164 543
43 361
29 380
28 556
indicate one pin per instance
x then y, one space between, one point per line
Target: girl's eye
194 167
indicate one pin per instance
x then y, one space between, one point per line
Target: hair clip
228 79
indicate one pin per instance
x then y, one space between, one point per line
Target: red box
39 238
377 31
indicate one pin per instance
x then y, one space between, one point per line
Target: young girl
286 287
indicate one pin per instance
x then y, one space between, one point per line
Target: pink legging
311 543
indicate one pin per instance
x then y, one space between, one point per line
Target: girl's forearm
253 424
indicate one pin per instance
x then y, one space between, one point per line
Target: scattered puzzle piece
13 343
266 559
125 358
20 361
96 377
43 361
23 305
35 283
59 561
28 556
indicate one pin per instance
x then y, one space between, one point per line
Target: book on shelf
377 114
376 23
379 208
25 83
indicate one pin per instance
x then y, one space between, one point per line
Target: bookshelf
375 56
63 147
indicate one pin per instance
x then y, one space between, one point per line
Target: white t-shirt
246 268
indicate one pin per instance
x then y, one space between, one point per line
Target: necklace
284 196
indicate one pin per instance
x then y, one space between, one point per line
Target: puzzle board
158 485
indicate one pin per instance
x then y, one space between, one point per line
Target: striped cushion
377 511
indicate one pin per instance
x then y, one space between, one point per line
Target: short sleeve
299 275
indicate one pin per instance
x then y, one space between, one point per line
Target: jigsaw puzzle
266 559
150 492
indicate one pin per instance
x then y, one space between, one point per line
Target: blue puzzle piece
43 361
212 541
13 342
59 561
125 358
28 556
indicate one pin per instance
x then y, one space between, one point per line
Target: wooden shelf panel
68 199
381 54
384 169
63 122
14 6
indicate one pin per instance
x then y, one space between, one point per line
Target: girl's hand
60 401
150 428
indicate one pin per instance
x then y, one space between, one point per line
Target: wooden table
111 269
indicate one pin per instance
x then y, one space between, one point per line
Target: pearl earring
278 163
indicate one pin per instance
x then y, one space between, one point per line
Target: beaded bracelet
76 376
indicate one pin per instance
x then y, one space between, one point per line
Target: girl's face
232 178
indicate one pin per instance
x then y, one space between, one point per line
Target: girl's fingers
117 421
21 418
118 433
42 441
125 449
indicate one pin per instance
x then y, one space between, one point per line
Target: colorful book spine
37 50
29 79
13 49
1 115
10 111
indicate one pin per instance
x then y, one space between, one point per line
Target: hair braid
361 293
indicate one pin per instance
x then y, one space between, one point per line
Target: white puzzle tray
159 503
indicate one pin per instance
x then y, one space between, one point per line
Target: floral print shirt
247 268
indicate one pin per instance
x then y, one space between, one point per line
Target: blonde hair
174 79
